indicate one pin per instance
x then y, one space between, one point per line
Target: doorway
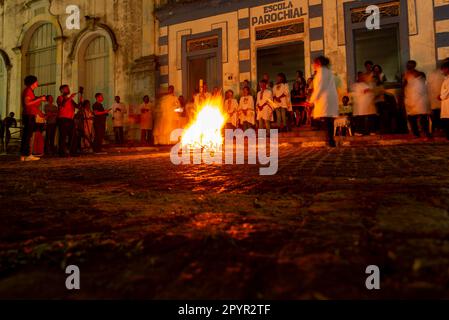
287 58
202 68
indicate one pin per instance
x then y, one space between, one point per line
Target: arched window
96 71
41 59
2 88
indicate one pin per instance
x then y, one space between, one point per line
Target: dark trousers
436 120
424 120
365 124
329 123
146 137
100 131
445 125
66 136
29 126
50 134
118 133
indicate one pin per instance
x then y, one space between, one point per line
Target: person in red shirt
30 106
66 123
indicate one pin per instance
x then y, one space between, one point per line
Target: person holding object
324 96
100 116
66 122
30 106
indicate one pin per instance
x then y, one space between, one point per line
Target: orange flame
205 132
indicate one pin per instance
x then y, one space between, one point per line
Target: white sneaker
31 158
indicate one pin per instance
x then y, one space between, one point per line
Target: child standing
281 97
118 117
263 104
51 114
246 109
232 108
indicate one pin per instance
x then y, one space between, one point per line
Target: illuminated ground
139 227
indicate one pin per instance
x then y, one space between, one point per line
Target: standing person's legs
414 125
121 135
425 125
150 138
436 120
330 131
117 135
29 123
142 136
99 129
64 127
73 138
445 124
279 117
284 117
7 139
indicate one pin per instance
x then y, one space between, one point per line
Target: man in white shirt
118 119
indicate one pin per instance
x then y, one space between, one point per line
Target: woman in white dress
246 109
281 97
416 99
264 106
324 96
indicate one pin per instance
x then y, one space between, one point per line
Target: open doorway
202 68
287 58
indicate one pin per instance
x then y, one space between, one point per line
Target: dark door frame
350 27
187 56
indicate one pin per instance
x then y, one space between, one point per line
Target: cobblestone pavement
140 227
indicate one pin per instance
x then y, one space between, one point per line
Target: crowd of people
81 126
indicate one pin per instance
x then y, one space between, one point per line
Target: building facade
227 42
112 52
136 47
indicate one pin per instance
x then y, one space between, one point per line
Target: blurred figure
324 96
51 114
416 99
298 97
100 117
167 119
364 110
434 84
444 97
85 126
118 119
378 74
146 121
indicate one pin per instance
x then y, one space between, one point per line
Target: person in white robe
246 109
281 97
416 99
444 97
264 106
324 96
231 107
364 109
167 118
